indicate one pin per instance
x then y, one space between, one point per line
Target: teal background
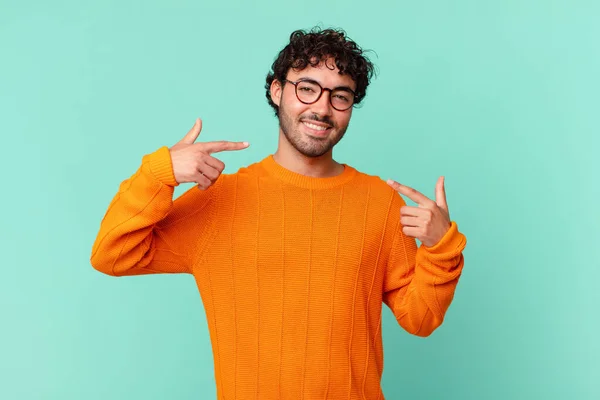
500 97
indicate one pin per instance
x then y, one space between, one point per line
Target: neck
318 167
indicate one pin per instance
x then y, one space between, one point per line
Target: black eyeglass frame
321 93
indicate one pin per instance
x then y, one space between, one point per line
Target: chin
312 151
313 154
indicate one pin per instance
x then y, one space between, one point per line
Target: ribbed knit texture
292 271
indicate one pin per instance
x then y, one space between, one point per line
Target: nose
323 105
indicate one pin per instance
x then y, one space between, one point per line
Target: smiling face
312 129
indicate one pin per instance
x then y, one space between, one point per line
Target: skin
194 162
430 220
300 148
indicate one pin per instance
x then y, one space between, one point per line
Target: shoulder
378 190
242 172
375 184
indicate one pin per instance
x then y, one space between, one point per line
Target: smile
315 127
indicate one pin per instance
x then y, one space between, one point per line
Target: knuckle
201 149
212 175
203 183
202 157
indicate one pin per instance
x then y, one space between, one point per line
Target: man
293 255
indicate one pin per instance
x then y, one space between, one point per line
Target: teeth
315 127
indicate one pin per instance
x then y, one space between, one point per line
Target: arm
420 283
143 230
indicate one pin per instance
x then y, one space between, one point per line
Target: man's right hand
192 162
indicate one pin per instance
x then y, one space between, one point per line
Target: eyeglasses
309 92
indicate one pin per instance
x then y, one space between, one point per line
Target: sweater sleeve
420 283
144 231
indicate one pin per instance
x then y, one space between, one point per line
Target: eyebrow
307 79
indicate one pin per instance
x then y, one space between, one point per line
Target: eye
307 89
342 97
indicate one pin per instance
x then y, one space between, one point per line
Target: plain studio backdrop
500 97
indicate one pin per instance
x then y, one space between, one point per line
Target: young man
293 255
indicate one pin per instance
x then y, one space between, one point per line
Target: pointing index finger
409 192
223 145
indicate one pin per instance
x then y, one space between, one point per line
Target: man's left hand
428 222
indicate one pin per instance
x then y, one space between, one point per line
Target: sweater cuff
449 246
161 166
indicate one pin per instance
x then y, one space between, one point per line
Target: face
312 129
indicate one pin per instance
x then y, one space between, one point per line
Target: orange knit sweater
292 271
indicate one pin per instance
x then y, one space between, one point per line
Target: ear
276 90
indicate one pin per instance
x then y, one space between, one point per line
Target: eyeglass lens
308 92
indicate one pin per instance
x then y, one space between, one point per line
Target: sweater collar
307 182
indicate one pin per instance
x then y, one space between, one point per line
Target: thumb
440 193
193 134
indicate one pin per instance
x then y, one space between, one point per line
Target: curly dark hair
317 45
